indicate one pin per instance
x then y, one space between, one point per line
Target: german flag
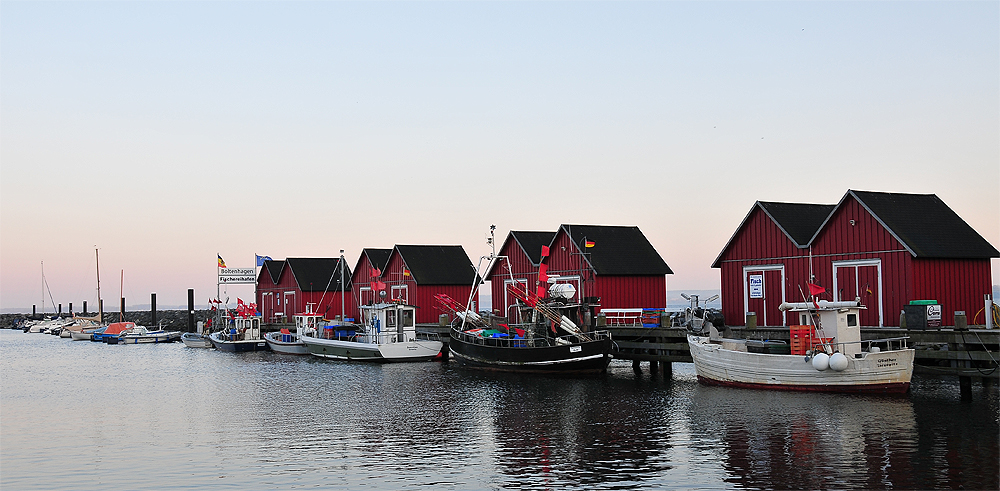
588 243
222 264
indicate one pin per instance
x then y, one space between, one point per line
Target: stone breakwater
174 320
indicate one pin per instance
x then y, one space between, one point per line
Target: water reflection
554 432
771 440
78 415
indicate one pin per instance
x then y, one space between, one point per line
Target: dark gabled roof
531 243
273 269
799 221
617 251
377 257
438 264
925 225
313 274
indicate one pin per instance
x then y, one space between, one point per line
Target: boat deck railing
529 342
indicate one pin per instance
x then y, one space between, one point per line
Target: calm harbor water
80 415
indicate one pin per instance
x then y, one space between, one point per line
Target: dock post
121 309
988 300
84 307
965 386
71 308
60 310
635 366
190 309
668 369
152 310
33 313
653 367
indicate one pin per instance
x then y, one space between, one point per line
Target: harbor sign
236 276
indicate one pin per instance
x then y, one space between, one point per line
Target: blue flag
261 259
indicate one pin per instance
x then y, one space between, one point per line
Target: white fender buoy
838 362
875 349
821 361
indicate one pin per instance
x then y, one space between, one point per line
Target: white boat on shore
387 334
826 354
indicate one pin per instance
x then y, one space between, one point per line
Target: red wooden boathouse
884 248
284 288
619 269
415 273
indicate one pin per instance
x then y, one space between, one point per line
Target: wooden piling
84 307
152 310
190 309
965 387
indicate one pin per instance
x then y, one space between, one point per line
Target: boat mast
121 294
43 289
100 303
342 315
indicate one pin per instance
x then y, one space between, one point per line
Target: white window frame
406 293
361 294
510 300
855 264
746 291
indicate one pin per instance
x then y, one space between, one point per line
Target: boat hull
885 372
417 350
193 340
238 346
590 357
288 348
82 336
166 337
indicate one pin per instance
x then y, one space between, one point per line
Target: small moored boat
242 334
140 335
825 354
196 340
387 334
289 343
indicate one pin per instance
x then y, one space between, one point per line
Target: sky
165 133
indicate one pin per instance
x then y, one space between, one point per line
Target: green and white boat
387 333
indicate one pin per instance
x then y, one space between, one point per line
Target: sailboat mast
342 314
43 288
121 294
100 303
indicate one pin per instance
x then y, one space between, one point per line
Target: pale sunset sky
165 133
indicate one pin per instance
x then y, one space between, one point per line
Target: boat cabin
838 323
389 322
249 327
308 323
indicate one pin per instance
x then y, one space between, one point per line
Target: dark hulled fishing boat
551 342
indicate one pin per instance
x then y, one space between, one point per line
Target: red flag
542 269
815 289
376 272
545 251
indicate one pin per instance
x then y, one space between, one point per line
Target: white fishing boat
825 354
289 343
388 333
